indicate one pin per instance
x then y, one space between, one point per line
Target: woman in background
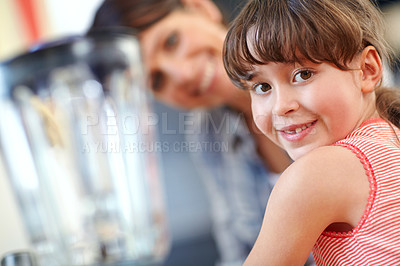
182 44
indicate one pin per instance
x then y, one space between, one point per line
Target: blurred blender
75 123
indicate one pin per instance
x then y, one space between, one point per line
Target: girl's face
183 57
302 107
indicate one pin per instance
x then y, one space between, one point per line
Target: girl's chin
299 152
295 156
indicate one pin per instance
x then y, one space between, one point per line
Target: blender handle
20 258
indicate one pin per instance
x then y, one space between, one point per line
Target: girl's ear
206 7
371 67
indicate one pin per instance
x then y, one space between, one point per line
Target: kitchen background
23 23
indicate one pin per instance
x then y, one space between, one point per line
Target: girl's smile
297 132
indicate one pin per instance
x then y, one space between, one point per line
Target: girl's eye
171 40
302 76
261 88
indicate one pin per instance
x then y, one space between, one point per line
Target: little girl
314 69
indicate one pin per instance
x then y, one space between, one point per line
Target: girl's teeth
299 129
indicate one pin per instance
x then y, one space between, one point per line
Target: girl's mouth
297 132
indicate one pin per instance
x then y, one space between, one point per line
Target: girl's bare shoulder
332 179
328 164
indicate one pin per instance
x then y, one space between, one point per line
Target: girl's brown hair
286 31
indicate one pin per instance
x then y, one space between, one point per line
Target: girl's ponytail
388 105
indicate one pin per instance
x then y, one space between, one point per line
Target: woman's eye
261 88
157 81
171 40
303 76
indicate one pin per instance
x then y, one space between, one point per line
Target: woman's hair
141 14
136 14
287 31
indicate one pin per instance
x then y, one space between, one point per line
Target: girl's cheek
261 122
260 114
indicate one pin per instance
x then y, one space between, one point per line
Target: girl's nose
285 101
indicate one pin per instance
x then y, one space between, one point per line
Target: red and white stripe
376 239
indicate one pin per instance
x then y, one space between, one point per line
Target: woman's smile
183 54
208 77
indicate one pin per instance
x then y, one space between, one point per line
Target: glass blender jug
76 132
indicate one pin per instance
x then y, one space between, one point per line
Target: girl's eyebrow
250 76
248 80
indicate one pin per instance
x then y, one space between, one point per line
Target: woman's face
183 58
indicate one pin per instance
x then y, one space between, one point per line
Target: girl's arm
329 185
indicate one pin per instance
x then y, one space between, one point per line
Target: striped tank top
376 238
